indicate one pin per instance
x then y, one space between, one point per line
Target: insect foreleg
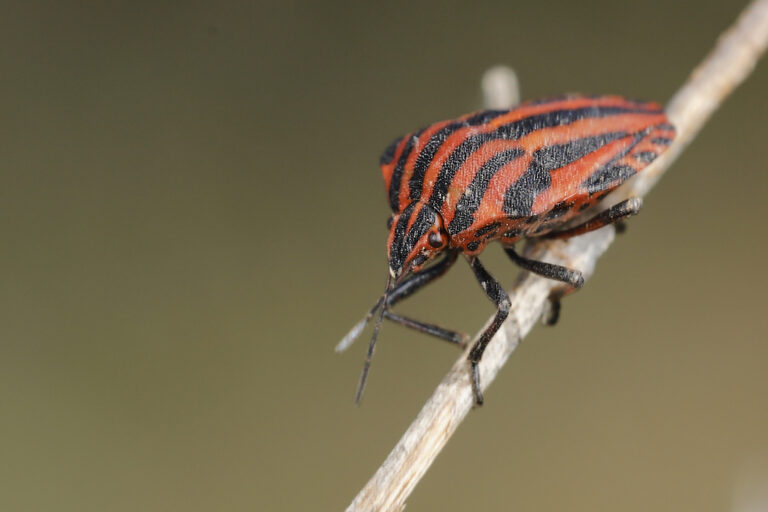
417 281
457 338
411 285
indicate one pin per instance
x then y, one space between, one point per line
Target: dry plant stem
731 61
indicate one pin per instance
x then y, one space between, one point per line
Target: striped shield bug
505 175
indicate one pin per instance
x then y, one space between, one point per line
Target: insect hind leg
614 214
573 278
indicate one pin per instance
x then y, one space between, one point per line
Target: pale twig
725 67
501 88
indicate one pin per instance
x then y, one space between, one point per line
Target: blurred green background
192 216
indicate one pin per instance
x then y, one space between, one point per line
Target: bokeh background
192 216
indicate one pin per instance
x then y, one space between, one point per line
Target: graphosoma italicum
504 175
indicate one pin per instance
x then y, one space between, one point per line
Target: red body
521 172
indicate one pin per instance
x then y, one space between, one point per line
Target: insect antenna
354 333
371 347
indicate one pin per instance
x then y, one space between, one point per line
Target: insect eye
390 220
435 240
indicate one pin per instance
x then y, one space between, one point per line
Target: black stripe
487 229
605 178
519 197
397 173
404 242
485 116
430 149
559 210
453 164
528 125
473 195
389 154
662 141
424 221
396 258
608 176
512 233
514 131
645 157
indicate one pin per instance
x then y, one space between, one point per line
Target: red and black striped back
503 168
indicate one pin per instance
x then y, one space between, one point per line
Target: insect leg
499 297
572 278
549 270
413 284
417 281
457 338
405 289
615 213
552 314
